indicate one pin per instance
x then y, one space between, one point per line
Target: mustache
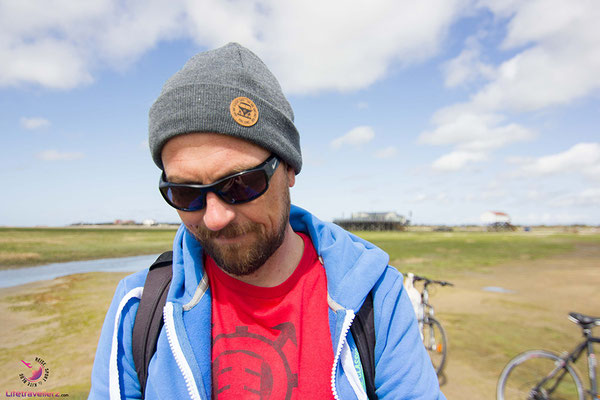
230 231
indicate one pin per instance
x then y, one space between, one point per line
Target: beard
241 259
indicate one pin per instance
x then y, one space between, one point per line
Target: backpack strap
363 332
149 317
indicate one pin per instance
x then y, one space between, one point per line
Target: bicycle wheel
537 375
434 339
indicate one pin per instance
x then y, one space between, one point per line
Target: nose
217 214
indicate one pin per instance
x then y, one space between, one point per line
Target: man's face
240 238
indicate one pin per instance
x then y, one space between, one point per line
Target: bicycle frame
591 358
572 357
428 310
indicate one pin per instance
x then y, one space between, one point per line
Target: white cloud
62 44
54 155
387 152
586 198
46 62
582 158
519 160
34 123
473 131
362 39
356 137
457 160
473 134
558 54
466 67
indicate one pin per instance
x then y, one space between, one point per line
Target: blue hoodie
181 366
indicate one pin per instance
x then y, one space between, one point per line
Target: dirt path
541 293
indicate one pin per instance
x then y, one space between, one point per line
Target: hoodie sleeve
403 369
113 373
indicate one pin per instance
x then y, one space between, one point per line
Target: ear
291 175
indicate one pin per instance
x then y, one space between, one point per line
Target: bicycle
433 334
543 375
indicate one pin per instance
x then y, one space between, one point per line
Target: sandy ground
543 292
26 335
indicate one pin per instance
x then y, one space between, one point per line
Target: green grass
21 247
441 254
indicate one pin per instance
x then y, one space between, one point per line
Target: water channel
20 276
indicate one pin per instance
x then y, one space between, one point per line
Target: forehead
209 156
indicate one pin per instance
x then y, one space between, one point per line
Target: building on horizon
497 221
374 221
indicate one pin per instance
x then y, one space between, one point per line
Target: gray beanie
228 90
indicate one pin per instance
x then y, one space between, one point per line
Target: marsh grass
445 254
20 247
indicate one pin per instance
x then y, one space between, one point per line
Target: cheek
190 219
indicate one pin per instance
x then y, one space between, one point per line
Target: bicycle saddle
584 319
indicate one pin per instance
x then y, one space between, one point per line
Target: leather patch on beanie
243 111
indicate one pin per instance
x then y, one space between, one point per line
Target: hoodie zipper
178 353
343 338
113 368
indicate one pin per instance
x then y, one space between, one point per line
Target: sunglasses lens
184 198
244 187
240 188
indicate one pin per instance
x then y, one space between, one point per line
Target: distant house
124 222
496 221
149 222
373 221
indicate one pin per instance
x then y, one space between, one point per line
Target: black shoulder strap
363 332
149 317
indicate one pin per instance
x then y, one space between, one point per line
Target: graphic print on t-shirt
256 360
271 343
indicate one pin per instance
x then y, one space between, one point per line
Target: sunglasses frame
268 167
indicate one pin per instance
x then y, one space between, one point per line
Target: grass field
426 252
20 247
449 253
550 274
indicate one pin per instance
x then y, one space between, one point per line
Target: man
263 293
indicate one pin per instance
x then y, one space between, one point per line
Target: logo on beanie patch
243 111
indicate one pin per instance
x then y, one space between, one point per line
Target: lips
225 239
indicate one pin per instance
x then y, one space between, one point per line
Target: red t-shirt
272 343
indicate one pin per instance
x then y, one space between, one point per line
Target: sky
439 110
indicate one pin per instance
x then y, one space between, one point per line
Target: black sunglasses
238 188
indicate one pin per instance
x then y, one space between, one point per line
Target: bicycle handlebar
428 281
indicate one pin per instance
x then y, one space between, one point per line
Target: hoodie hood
353 265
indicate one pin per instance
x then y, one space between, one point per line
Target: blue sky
438 109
